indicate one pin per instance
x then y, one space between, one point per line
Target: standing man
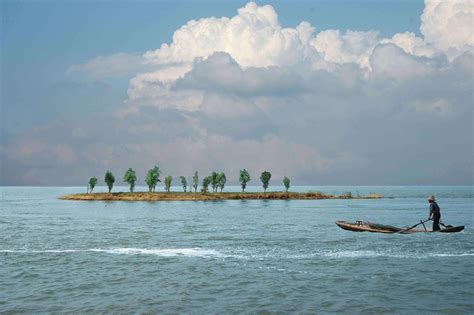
435 213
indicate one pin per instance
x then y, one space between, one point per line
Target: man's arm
431 211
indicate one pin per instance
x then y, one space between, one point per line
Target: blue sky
43 40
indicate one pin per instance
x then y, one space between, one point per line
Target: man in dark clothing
435 213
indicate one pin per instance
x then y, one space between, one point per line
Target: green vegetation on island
286 183
195 181
168 180
130 178
203 196
183 183
92 183
153 178
205 184
265 178
221 180
109 179
244 178
216 180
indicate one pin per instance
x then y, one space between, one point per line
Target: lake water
234 256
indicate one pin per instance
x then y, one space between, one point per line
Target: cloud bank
319 106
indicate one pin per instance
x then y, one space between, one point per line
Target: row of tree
216 180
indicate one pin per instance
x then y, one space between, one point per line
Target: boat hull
360 226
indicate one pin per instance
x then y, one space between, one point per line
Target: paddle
414 226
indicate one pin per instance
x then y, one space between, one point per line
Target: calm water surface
234 256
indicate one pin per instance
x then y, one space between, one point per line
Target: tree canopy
286 182
221 179
265 178
168 180
195 181
205 183
214 181
109 179
184 183
244 178
92 183
130 178
152 178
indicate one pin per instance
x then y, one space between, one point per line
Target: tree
168 180
214 181
109 179
286 182
184 183
205 183
195 181
244 178
265 178
92 183
130 178
152 178
221 181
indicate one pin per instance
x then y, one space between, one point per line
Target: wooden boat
360 226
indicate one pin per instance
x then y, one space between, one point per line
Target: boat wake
241 255
167 252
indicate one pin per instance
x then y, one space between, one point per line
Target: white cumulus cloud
351 47
449 25
254 37
411 44
391 61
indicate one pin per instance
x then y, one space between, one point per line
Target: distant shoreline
197 196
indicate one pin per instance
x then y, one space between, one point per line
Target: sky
324 92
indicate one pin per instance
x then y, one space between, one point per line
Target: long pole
414 226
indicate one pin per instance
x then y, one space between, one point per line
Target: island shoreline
199 196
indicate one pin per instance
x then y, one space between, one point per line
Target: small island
189 196
216 181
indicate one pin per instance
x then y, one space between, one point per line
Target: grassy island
184 196
212 187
